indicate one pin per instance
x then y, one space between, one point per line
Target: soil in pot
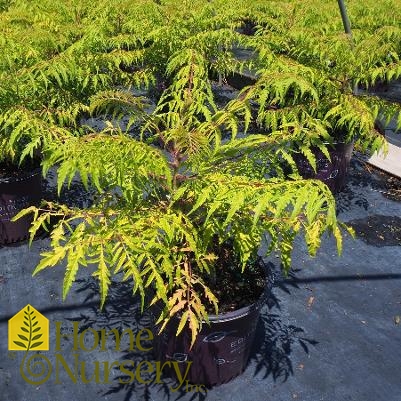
19 189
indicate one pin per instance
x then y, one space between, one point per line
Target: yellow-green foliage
55 55
188 177
162 211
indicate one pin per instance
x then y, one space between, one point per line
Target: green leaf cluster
179 174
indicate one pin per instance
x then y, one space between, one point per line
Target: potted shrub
308 73
183 213
26 96
23 134
339 67
19 188
46 78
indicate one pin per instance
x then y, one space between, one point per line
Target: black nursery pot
332 172
18 192
221 350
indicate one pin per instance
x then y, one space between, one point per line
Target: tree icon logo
28 330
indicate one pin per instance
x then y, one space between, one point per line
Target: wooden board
391 163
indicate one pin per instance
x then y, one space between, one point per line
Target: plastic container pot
17 193
221 350
332 172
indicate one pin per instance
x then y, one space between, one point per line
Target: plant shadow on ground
275 339
270 354
361 176
378 230
73 195
374 229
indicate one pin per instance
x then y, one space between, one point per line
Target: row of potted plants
190 189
